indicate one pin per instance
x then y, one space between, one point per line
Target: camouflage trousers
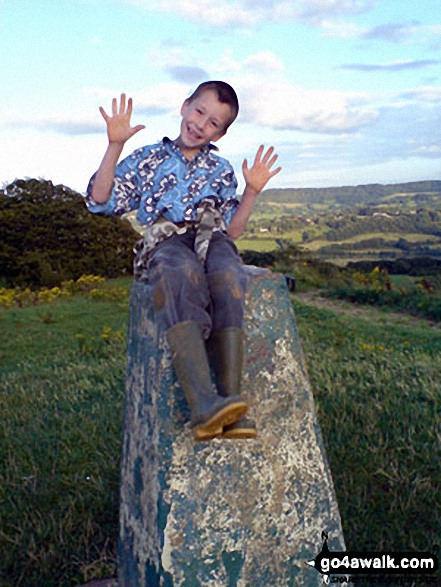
184 289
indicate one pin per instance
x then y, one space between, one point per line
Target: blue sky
348 91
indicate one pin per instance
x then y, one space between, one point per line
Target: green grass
412 300
61 402
261 245
50 331
61 397
377 389
388 237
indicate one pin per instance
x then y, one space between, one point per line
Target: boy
181 198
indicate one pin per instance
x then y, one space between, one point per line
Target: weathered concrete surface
224 513
110 582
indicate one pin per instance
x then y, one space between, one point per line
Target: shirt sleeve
125 196
227 191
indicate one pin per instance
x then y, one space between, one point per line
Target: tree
48 236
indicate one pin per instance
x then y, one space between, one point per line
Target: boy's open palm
257 176
118 125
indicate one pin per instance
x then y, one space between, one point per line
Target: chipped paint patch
166 559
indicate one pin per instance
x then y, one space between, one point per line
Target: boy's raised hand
118 125
260 173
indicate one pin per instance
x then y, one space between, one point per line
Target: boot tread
224 415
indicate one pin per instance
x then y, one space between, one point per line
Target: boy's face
204 120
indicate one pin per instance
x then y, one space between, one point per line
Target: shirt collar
205 149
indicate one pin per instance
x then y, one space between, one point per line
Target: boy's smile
204 120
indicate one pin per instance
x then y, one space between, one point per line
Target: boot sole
242 433
214 426
237 434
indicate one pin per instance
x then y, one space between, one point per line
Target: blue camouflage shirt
157 180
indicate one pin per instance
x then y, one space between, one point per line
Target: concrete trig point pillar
224 513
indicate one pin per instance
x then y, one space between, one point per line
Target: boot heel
230 411
226 353
241 429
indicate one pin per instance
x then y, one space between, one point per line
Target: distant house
382 214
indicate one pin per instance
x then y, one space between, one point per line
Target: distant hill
423 192
358 222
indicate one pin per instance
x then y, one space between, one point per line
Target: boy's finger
114 107
275 172
136 129
273 160
129 107
103 113
122 106
258 156
268 155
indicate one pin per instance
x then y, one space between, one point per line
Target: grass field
62 391
377 388
389 237
261 245
264 242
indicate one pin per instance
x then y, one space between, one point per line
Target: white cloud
156 101
413 33
340 30
424 94
392 32
163 98
285 106
59 124
294 108
226 63
318 12
216 13
247 13
67 160
263 62
428 151
178 61
399 65
187 73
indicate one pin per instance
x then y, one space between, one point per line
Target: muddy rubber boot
226 352
210 413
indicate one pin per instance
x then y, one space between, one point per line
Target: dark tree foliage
47 236
422 222
259 259
418 266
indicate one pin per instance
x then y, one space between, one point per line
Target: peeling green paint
233 563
